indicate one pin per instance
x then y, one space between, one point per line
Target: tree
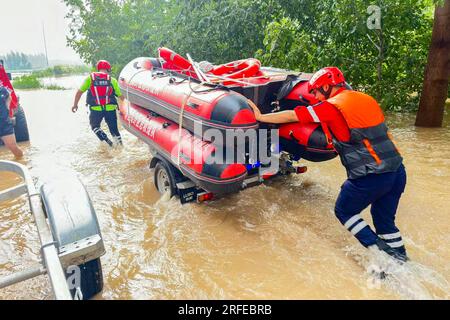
213 30
301 35
222 31
437 72
119 30
38 61
382 62
17 61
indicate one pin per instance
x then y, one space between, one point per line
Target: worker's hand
255 109
74 109
121 105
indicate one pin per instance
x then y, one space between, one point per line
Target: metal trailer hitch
68 231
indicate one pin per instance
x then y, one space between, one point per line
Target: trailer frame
56 256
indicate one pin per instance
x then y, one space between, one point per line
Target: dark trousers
383 192
96 118
6 127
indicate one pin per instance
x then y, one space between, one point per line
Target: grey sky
21 28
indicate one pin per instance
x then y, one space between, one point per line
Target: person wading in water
103 97
6 123
376 174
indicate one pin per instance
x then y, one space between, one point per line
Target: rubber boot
118 140
398 253
109 142
103 137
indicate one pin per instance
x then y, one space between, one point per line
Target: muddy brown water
279 240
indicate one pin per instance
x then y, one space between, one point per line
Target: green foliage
118 31
302 35
59 71
54 87
27 82
387 63
222 31
32 82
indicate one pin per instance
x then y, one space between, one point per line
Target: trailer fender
157 158
73 221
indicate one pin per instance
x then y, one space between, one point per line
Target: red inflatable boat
168 92
176 98
272 90
189 154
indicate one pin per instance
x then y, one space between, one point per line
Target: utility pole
45 44
437 72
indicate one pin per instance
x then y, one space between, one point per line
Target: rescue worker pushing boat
103 98
356 126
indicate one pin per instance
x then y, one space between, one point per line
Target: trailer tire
164 179
91 279
21 126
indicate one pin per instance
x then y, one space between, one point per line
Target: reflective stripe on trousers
110 117
383 193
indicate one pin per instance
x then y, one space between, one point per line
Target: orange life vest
370 149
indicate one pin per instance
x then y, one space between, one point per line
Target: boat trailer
69 234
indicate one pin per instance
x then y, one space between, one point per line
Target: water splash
410 280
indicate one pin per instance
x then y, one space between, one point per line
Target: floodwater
275 241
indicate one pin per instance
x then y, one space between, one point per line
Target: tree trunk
437 72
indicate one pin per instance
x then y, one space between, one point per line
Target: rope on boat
203 80
180 127
180 123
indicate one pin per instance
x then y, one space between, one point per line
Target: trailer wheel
21 127
91 279
164 179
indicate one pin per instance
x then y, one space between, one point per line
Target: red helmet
329 75
103 65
